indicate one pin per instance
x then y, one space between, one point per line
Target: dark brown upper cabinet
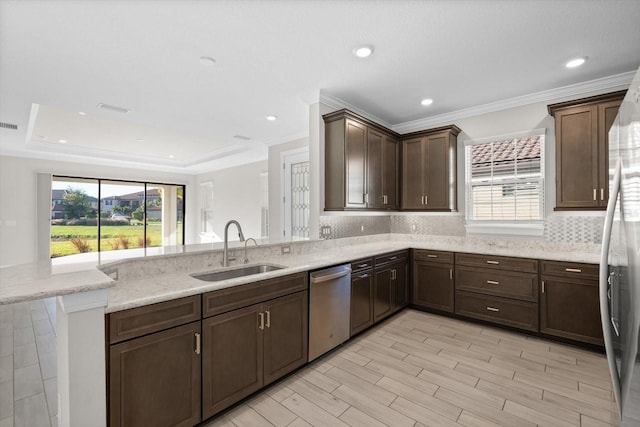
429 170
361 164
582 142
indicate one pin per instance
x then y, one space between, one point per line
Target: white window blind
505 178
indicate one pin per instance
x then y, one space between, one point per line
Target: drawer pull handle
432 256
363 276
492 282
493 309
573 270
363 265
393 257
197 350
493 262
261 326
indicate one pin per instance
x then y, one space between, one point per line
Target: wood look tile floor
416 369
420 369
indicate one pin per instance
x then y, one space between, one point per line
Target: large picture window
91 215
505 179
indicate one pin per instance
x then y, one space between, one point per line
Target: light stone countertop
164 274
151 289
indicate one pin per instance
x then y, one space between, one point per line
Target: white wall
236 195
275 182
18 199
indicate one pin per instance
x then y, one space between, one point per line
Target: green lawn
61 236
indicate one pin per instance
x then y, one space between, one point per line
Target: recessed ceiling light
363 51
426 101
82 113
140 140
62 141
271 118
576 62
171 156
207 60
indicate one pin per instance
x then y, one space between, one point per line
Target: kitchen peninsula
88 290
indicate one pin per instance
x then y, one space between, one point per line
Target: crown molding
577 89
338 104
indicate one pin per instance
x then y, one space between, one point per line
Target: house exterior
57 209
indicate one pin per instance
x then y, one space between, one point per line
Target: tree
75 203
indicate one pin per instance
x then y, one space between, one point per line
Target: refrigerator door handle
605 315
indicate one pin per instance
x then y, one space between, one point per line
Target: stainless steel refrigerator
620 258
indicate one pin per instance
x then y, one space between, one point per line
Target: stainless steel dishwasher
329 309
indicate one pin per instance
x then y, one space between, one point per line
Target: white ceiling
276 57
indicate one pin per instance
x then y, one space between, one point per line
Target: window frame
145 184
525 227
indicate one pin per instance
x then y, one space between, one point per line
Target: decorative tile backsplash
557 228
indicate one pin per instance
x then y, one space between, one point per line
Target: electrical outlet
285 250
362 228
325 230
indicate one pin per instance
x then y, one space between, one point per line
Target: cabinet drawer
523 265
361 264
127 324
519 314
569 269
227 299
433 256
523 286
392 257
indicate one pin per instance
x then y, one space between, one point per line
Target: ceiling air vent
114 108
242 137
8 126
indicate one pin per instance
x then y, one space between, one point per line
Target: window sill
506 228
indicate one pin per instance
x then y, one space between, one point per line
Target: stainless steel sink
233 273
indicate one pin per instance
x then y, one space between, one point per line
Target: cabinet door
155 380
433 286
375 169
382 301
361 302
412 174
570 308
437 172
400 285
607 112
285 335
390 174
577 163
232 358
355 164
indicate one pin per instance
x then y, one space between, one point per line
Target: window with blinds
505 178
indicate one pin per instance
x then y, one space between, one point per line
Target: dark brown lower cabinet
505 311
361 301
155 380
382 302
433 285
247 348
400 286
231 358
570 308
